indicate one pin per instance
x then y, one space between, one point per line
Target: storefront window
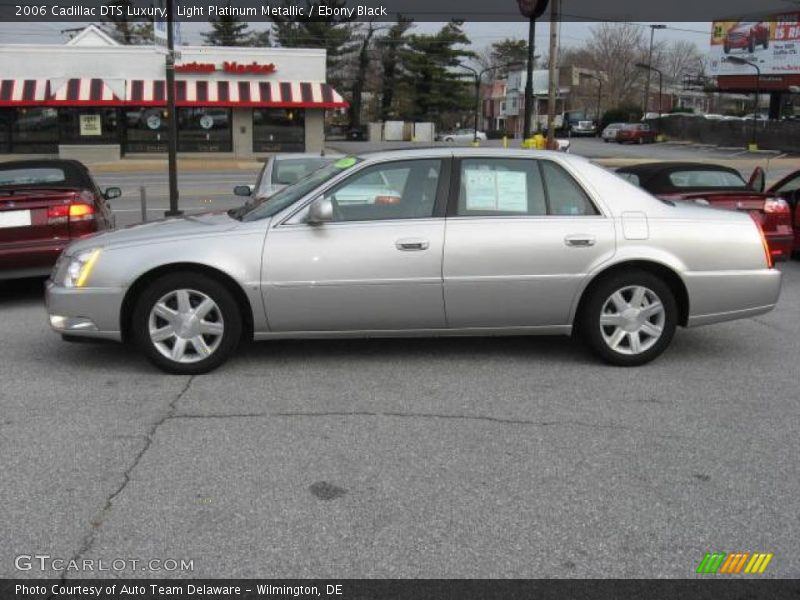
146 129
6 119
279 130
35 131
204 130
92 125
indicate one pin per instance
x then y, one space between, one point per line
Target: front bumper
85 312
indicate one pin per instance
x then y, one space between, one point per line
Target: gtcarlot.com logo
734 563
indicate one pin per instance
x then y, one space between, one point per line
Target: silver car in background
282 170
610 132
471 242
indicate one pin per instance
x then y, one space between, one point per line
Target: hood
171 228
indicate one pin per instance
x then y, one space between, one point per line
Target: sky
482 34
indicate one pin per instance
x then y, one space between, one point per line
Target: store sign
227 67
773 45
90 125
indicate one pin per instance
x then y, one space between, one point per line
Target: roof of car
443 152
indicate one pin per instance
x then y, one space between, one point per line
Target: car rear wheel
629 319
187 324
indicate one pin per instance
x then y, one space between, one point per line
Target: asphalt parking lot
452 458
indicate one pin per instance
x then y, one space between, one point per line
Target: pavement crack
148 437
418 415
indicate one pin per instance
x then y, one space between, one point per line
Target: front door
376 267
521 237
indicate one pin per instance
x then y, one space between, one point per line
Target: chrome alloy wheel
632 320
186 326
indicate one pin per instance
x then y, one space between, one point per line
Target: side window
790 186
397 190
564 194
501 187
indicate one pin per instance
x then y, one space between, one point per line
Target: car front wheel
187 324
629 319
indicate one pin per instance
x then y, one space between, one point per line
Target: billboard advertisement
773 45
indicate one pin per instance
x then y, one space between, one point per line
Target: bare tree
679 59
614 49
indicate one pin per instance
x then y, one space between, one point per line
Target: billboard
773 45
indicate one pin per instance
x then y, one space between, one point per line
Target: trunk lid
24 216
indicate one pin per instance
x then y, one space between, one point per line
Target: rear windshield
32 176
707 179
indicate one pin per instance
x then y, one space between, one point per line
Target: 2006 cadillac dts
420 242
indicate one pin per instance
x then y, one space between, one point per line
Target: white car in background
610 132
462 135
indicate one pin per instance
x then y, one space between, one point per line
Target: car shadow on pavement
544 348
14 291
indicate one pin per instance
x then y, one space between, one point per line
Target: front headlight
80 268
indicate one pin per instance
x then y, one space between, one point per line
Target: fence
770 135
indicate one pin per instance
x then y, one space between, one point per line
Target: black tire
227 311
588 321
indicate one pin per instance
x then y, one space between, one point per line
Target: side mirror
320 211
112 192
243 190
758 180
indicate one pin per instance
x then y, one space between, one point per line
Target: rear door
521 236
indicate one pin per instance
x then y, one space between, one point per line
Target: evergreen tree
435 86
228 31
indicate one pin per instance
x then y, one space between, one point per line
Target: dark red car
636 133
788 189
44 205
746 35
721 187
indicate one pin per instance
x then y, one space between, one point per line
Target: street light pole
740 61
660 88
172 117
599 97
649 62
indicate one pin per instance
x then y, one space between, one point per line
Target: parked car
719 187
281 170
610 132
635 133
746 36
583 128
462 135
44 204
788 189
537 243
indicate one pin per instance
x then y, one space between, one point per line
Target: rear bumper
720 296
85 312
780 246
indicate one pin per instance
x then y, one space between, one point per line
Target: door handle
580 240
412 244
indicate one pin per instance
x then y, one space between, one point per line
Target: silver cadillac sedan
453 242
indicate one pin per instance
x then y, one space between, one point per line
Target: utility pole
552 76
172 117
646 101
532 10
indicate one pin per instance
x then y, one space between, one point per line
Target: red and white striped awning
84 92
279 94
24 92
149 92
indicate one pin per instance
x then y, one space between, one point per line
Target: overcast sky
482 34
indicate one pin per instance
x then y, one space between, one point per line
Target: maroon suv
45 204
746 36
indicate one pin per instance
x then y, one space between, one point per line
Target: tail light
81 210
767 253
776 206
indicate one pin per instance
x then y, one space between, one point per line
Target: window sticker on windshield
505 191
345 163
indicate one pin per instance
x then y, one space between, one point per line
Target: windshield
291 194
291 170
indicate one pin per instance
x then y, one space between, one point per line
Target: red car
788 189
721 187
746 35
636 133
44 205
